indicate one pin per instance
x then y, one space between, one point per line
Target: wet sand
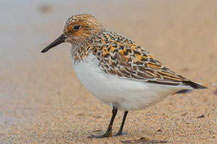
42 101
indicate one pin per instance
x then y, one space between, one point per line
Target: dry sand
42 101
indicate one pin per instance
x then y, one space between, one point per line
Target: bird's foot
107 134
120 133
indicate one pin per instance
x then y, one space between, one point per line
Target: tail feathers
191 84
194 85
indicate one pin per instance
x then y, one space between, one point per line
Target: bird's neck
80 51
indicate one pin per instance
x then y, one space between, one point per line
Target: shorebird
117 70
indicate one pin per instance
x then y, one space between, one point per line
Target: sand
42 101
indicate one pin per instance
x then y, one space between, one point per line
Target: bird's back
124 58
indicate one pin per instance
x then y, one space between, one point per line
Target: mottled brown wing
120 56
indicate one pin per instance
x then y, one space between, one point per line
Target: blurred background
42 101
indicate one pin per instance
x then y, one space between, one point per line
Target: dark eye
76 27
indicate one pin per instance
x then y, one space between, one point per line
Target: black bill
58 41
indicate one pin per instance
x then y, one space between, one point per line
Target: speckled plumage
121 56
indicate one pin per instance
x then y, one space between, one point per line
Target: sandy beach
42 101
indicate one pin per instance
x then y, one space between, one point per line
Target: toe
120 133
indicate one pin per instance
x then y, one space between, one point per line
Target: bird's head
78 29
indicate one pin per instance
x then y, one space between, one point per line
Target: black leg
109 129
120 132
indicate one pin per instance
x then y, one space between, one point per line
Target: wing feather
124 58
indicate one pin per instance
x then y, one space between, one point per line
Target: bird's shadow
144 140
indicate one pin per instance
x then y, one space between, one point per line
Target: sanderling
116 70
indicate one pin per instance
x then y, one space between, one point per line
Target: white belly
123 93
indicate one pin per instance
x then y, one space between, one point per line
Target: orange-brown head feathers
81 27
78 30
